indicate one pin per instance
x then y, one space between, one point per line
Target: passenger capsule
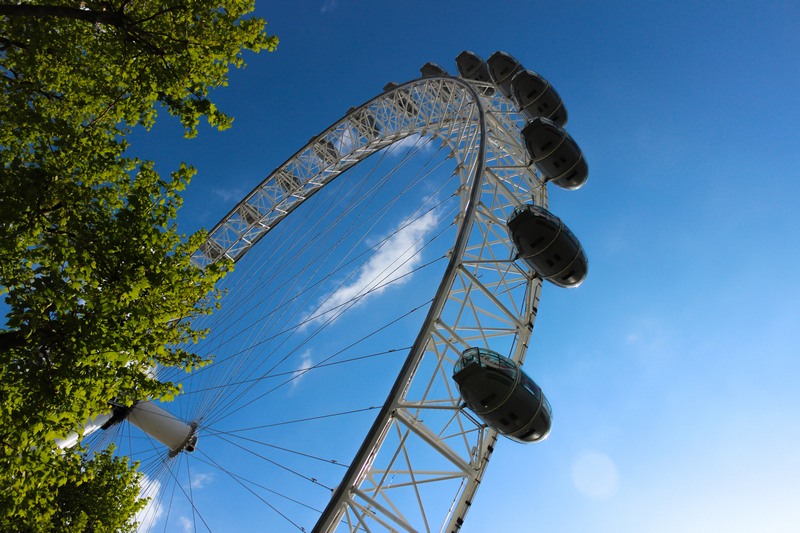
502 395
535 97
429 70
503 67
402 100
364 122
326 152
555 153
472 67
250 214
287 181
548 246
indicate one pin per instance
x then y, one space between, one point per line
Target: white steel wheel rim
485 297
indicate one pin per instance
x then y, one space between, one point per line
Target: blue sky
672 371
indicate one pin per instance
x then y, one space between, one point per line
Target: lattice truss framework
421 465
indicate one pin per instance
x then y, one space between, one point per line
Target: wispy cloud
595 475
200 480
227 195
328 6
391 264
149 515
306 362
186 524
415 141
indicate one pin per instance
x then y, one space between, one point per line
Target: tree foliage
98 283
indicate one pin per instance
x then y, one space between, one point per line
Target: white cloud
415 141
229 194
595 475
200 480
149 515
328 6
186 524
391 264
305 363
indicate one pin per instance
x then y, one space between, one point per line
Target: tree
101 495
99 283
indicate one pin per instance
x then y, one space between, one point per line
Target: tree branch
31 10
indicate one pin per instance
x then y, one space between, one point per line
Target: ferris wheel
368 353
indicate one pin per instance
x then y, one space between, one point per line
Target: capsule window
488 399
536 242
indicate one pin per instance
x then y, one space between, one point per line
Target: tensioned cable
238 479
256 266
252 296
392 202
221 416
282 448
346 305
308 298
373 249
306 419
290 372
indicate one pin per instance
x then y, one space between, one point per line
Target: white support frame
423 444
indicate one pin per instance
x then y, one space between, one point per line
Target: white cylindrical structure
162 426
92 425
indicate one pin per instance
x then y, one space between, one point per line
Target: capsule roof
555 153
502 395
472 67
432 69
503 67
535 97
548 246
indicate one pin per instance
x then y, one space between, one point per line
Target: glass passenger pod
287 181
502 395
326 152
250 214
212 249
365 123
405 103
472 67
548 246
430 70
502 68
535 97
402 100
555 153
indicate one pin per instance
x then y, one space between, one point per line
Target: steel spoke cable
276 447
347 304
224 359
256 266
327 359
276 463
289 372
214 464
408 313
305 419
239 479
337 243
390 236
329 321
